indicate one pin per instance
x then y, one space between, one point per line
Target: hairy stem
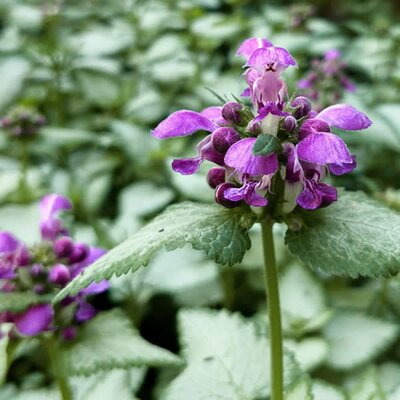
62 382
274 311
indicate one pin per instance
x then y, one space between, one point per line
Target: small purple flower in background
22 122
275 140
48 266
327 80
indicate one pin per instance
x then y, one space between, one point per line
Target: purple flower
295 140
35 320
93 255
240 157
85 312
59 274
13 253
50 208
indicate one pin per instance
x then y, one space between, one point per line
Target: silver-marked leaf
226 359
355 236
324 391
222 234
355 338
110 341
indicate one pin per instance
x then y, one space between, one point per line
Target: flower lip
184 123
345 117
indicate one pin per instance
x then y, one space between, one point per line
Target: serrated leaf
265 145
19 301
222 234
109 341
303 300
354 236
324 391
355 338
225 357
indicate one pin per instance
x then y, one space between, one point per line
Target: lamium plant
271 156
31 275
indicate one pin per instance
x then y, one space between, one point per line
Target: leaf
222 234
13 72
309 352
265 145
226 359
354 236
110 341
303 301
10 393
324 391
367 387
116 383
19 301
3 351
355 338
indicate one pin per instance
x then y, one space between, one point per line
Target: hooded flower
250 145
13 253
50 208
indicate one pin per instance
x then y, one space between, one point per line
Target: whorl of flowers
277 151
44 269
22 122
327 81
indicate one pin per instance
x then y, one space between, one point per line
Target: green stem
62 382
274 311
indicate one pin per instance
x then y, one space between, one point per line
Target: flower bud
289 123
231 112
39 288
79 253
223 138
37 270
69 333
220 198
59 274
63 247
302 105
216 176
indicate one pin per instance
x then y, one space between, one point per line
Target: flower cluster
22 122
327 80
278 149
45 268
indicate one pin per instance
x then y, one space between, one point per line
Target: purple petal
50 206
246 92
313 125
267 88
270 55
187 166
294 170
95 288
247 193
346 117
240 157
8 242
213 113
341 169
183 123
324 148
85 312
35 320
332 54
315 195
94 254
270 108
249 46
